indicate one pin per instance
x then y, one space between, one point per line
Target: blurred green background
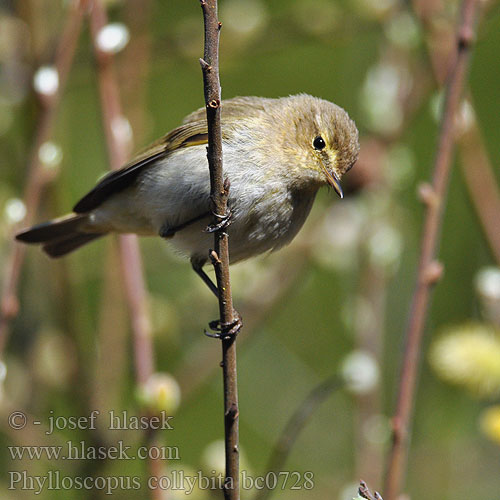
336 300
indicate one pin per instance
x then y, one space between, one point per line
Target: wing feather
187 135
193 132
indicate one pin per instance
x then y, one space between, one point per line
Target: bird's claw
224 221
224 331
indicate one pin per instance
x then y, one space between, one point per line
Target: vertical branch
364 492
482 185
219 190
428 270
37 176
118 150
480 180
136 63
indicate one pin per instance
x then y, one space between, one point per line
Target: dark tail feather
59 236
53 230
66 245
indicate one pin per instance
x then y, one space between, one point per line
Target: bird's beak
333 180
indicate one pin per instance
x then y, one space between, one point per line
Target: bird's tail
59 236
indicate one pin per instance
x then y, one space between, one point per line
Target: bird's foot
224 221
225 331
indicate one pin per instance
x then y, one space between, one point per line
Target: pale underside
265 213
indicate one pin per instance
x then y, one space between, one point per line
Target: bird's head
327 139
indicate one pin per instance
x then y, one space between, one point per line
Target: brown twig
118 147
219 190
37 176
475 165
482 185
426 277
118 150
136 63
364 492
294 426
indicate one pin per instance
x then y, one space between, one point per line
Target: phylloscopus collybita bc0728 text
277 153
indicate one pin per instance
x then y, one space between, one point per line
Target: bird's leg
221 330
198 269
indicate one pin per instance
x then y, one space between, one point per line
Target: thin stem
219 190
482 185
364 492
136 64
135 288
37 176
118 148
295 425
428 271
480 180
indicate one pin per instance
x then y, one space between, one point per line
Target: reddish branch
136 63
118 148
364 492
428 271
219 191
482 186
476 166
37 175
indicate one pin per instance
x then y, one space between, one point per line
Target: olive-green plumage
277 153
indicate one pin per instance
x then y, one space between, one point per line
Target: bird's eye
319 143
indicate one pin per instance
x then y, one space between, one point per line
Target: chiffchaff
277 154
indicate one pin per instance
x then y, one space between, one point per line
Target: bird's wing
193 132
190 134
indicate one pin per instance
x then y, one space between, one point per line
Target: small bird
277 153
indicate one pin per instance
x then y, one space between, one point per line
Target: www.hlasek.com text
80 450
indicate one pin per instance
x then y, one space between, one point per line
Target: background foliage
342 287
